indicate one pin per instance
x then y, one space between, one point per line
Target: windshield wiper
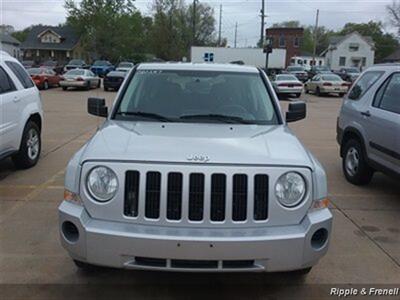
218 117
145 115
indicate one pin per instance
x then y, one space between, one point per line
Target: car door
314 82
8 112
384 124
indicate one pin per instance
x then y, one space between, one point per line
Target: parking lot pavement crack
343 211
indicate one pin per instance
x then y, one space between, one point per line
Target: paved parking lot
365 247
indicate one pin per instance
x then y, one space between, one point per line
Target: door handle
366 113
16 99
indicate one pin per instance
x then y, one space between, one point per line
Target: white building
10 45
352 50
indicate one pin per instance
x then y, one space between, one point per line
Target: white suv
21 114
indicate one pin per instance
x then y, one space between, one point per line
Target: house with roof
393 58
59 43
352 50
10 45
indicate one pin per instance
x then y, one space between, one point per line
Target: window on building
21 74
353 47
342 61
364 61
296 42
282 42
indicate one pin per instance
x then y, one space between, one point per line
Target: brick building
287 38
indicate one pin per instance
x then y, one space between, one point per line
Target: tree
111 29
385 43
21 35
394 15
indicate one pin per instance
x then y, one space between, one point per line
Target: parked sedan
349 74
75 64
102 67
28 64
113 80
299 72
53 65
44 78
327 84
286 84
80 78
315 70
125 66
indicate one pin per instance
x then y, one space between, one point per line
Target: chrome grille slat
196 197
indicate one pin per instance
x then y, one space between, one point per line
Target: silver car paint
109 238
379 126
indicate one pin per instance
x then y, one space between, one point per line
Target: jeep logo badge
198 158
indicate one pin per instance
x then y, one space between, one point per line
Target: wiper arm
223 118
145 115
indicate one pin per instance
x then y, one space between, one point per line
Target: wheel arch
348 134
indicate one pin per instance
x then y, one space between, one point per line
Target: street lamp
267 49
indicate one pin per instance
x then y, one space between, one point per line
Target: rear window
21 74
364 83
75 72
331 78
35 71
6 84
286 77
198 97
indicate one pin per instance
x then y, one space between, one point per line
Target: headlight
290 189
102 183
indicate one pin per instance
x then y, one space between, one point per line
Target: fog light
319 239
70 231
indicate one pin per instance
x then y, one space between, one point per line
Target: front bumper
120 245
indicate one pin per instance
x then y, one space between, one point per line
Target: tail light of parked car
327 84
348 84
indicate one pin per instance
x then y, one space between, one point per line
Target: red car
44 78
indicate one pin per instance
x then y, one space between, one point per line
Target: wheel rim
33 144
352 161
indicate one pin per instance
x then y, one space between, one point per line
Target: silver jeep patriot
195 169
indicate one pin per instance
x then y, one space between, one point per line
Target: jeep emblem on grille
198 158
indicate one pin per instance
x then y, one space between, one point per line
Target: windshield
295 69
76 62
331 78
125 65
35 71
75 72
50 63
322 68
197 96
100 63
285 77
352 70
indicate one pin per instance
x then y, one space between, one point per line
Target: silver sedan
286 84
327 84
80 78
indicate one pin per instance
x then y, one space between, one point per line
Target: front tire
64 88
354 164
45 85
318 92
85 267
29 152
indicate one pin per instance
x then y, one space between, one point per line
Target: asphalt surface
364 249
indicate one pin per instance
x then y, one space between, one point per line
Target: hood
178 142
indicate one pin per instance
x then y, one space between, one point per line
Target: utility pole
194 23
315 36
220 25
262 20
236 33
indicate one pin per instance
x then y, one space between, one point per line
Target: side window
6 84
388 96
364 83
21 74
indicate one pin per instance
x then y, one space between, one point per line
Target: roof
395 56
198 67
336 40
8 39
68 36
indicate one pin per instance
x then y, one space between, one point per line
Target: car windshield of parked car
286 77
75 72
101 63
352 70
125 65
76 62
295 69
331 78
35 71
197 96
50 63
322 69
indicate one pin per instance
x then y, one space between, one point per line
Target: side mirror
97 107
297 111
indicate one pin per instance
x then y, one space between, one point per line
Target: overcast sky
333 14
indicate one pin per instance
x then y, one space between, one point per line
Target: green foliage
21 35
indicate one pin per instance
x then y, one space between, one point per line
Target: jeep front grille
206 196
